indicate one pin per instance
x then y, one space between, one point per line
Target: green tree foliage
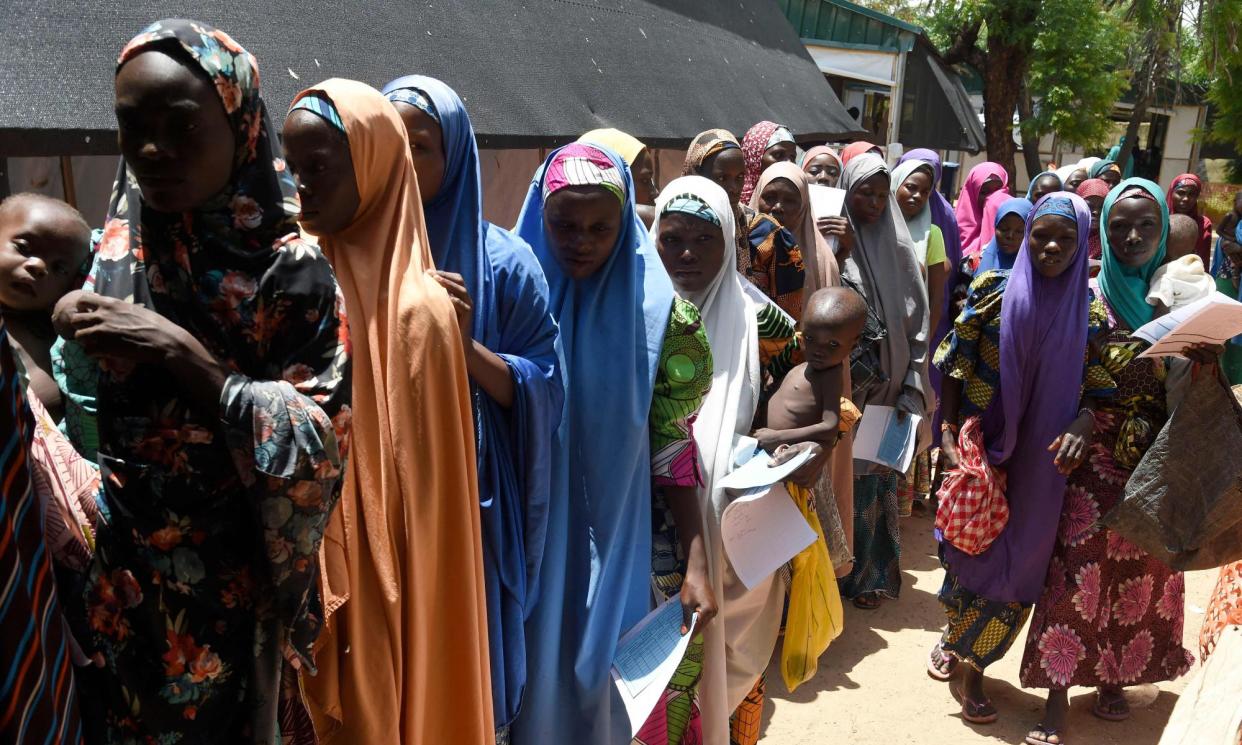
1221 26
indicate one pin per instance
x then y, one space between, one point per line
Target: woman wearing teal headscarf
1110 615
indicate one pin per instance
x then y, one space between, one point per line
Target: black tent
936 111
533 72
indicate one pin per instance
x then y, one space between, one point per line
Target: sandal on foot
938 657
977 712
867 601
1113 709
1042 735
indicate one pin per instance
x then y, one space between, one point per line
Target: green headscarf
1125 287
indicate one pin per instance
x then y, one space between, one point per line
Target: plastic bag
815 615
1183 503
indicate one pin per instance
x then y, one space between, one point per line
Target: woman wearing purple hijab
1017 358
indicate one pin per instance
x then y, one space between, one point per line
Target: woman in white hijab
889 367
751 340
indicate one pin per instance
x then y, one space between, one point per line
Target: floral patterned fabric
203 581
1224 610
769 256
1110 614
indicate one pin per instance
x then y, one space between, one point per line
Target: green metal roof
845 24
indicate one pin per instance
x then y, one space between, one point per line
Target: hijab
1203 248
970 207
992 257
817 258
853 150
1064 173
1086 164
1125 287
1030 189
884 267
1094 187
919 225
513 446
817 151
628 147
756 142
412 496
705 145
1101 167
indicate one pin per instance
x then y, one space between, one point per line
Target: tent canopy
936 111
533 73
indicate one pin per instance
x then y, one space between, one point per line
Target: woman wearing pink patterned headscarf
984 180
764 144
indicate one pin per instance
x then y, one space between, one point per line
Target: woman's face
1045 185
582 225
1009 233
1112 177
1096 205
868 200
1075 180
779 153
1134 230
692 249
426 148
1185 199
173 132
728 169
644 179
990 187
782 200
914 192
824 170
1053 243
323 169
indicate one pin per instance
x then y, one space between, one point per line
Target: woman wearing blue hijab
1010 230
637 365
510 338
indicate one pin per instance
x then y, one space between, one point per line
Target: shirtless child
807 407
43 244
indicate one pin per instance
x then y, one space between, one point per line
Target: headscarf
612 327
628 147
991 206
407 496
1087 164
817 151
817 258
234 274
919 225
1030 189
855 149
1125 287
992 257
970 208
704 146
883 264
410 96
513 446
1094 187
1102 167
581 164
1203 247
1064 173
1043 340
754 145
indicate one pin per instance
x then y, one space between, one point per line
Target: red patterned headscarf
754 145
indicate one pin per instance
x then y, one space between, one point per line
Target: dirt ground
872 685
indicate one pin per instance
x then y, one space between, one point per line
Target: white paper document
1213 320
646 658
827 201
755 472
762 529
882 437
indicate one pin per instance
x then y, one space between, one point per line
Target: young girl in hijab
637 365
224 357
1110 615
767 254
1013 368
404 657
1183 198
822 165
501 298
1093 191
1107 171
983 180
891 371
764 144
1042 185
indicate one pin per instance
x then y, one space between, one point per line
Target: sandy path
872 686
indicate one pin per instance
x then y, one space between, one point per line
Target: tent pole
5 188
66 180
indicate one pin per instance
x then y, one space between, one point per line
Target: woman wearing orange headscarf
404 657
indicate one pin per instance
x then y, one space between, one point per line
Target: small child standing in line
43 245
1183 279
809 407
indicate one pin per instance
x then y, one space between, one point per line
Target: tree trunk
1030 145
1008 60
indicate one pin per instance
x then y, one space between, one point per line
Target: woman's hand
948 448
697 597
108 328
808 473
840 228
1204 354
463 306
1071 446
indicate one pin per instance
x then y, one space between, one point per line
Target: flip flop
1103 711
977 712
1046 732
933 669
867 601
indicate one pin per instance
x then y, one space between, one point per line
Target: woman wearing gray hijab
888 367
